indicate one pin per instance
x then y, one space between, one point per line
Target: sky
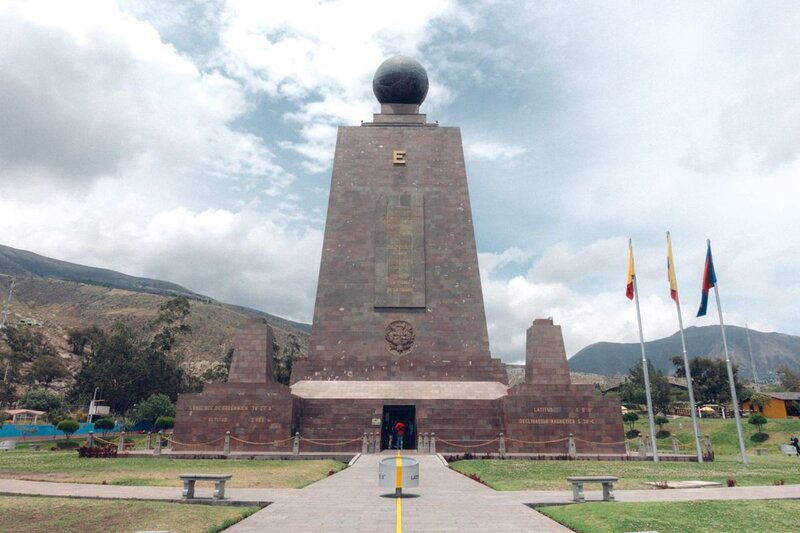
192 142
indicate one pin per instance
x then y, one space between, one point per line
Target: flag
631 273
709 280
673 279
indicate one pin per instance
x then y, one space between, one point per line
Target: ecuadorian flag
709 280
631 273
673 279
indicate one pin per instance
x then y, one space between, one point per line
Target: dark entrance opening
392 414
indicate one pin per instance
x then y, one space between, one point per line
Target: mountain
770 351
21 263
57 296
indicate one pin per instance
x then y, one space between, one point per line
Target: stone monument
399 330
252 406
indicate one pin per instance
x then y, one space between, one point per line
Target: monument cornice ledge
400 390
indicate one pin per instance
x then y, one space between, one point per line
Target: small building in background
779 405
24 416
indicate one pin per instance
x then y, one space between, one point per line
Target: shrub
630 418
661 421
731 482
68 426
67 445
97 451
105 424
759 421
164 422
156 405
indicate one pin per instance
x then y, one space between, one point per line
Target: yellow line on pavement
399 500
399 521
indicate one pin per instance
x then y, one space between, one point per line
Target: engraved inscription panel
400 251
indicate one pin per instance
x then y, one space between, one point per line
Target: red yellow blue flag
709 280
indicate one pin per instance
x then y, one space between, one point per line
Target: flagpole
693 408
644 365
734 398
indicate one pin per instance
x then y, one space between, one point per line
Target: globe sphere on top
400 80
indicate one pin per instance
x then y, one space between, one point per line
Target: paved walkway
351 501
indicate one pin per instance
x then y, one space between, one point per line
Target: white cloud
321 57
134 141
242 256
91 92
490 150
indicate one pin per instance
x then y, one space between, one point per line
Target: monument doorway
392 414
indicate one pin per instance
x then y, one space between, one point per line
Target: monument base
258 417
540 419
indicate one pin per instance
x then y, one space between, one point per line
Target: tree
25 345
127 368
81 338
41 400
661 421
758 401
46 369
68 426
164 422
154 407
170 323
630 418
788 380
105 424
632 391
8 393
284 358
759 421
710 379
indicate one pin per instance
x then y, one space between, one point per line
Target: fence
370 442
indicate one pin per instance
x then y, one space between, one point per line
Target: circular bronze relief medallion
400 336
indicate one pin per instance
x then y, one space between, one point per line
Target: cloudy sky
192 142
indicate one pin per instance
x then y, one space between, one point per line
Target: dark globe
400 80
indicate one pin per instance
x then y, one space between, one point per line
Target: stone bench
606 481
788 449
8 445
219 484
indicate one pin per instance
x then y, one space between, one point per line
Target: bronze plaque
400 251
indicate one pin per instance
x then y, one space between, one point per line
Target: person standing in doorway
399 432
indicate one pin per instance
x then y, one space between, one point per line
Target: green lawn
679 517
723 434
550 475
30 514
66 466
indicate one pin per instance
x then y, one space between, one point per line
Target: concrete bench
218 479
606 481
788 449
8 445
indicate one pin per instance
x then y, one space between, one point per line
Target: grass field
761 470
684 517
66 466
33 515
551 475
723 434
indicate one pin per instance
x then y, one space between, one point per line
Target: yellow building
779 405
